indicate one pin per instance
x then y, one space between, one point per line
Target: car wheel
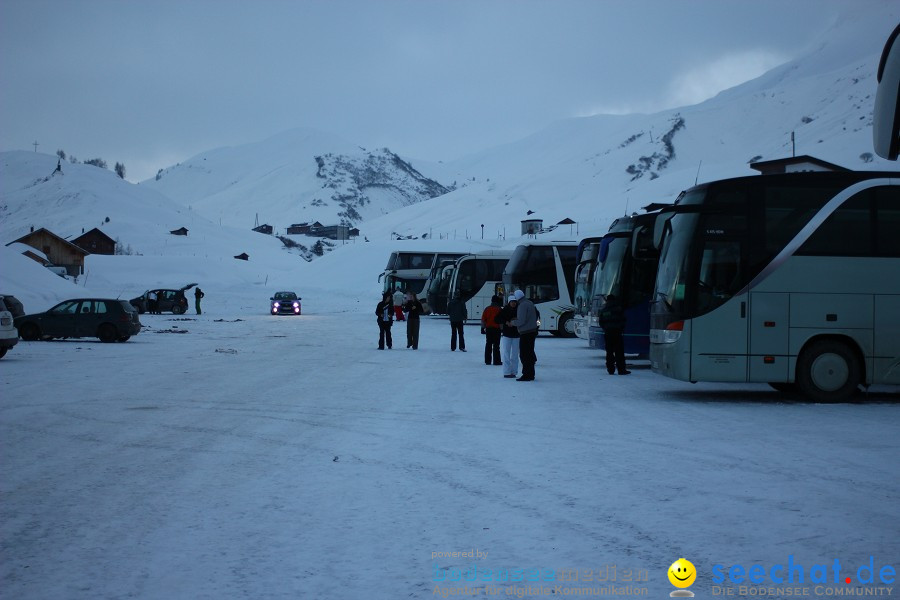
30 332
177 310
828 371
107 333
124 338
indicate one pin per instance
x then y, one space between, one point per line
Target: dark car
9 309
285 303
108 319
173 301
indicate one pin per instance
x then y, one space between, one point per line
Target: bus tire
565 327
828 371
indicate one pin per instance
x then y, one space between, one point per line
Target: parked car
285 303
108 319
9 336
173 301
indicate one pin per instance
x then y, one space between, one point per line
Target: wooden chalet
58 251
96 242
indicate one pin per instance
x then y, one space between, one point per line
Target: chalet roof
92 231
38 232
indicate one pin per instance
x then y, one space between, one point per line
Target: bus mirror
886 116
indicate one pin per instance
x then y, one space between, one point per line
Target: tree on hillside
120 170
61 154
72 159
97 162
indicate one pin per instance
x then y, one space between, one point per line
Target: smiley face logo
682 573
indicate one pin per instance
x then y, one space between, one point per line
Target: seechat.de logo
793 573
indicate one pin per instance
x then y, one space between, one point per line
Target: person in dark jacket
384 311
456 310
413 309
198 294
491 331
526 323
509 342
612 320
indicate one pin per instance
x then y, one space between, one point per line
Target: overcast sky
151 83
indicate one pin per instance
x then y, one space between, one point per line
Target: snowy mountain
298 176
588 169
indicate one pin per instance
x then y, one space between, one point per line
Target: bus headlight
669 335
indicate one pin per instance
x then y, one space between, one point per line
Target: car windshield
285 296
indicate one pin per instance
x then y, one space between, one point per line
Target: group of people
405 307
510 331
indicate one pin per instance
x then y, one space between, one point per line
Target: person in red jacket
491 331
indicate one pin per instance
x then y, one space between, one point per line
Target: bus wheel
565 327
828 371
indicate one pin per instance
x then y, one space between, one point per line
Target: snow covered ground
239 455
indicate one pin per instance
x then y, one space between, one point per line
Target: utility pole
793 145
35 146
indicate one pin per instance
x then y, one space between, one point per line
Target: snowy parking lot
249 456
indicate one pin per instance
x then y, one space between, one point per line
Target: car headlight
296 305
276 305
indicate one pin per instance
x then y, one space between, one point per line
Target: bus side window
848 231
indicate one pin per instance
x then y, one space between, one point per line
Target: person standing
612 319
456 310
509 343
526 323
384 311
398 305
198 293
152 303
491 331
414 310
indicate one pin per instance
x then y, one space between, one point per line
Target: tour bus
791 280
586 258
545 272
475 278
411 271
439 287
626 268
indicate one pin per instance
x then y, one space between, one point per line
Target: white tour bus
411 271
545 272
475 278
791 280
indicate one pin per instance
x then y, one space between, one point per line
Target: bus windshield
610 279
532 269
673 261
